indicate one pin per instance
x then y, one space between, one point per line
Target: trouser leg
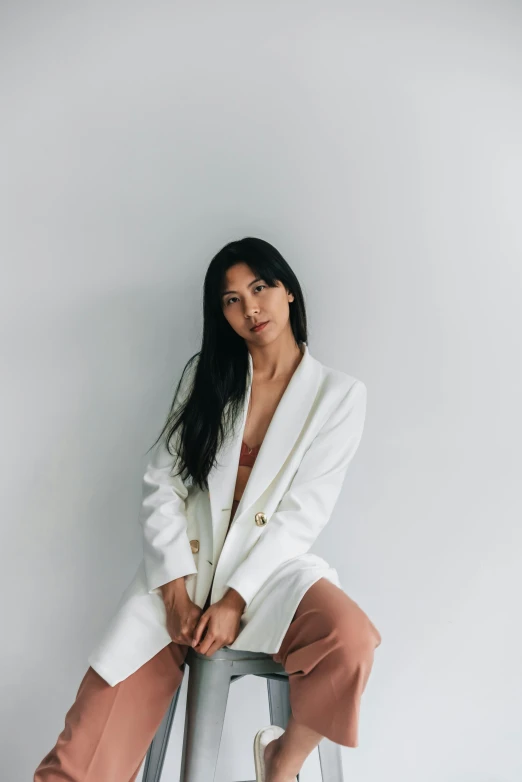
108 730
328 653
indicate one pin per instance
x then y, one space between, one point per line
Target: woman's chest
263 402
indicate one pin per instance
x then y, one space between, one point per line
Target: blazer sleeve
307 505
166 548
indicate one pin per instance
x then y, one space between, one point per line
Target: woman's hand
182 617
222 621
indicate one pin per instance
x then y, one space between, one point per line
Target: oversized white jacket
289 497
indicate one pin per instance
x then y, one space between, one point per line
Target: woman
245 474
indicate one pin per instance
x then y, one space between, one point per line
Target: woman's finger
202 623
207 641
214 647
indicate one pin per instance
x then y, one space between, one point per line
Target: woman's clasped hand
206 631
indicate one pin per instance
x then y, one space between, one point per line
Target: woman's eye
228 301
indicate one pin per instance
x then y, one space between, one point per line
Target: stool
207 694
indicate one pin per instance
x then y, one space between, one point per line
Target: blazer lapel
287 422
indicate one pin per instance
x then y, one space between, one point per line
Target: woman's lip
259 327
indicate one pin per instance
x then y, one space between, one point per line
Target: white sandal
262 738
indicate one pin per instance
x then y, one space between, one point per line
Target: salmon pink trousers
327 652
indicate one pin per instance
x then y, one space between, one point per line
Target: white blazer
289 497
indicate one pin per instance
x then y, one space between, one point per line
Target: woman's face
249 300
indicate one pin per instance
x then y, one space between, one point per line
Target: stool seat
207 694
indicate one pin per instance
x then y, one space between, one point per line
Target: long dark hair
212 387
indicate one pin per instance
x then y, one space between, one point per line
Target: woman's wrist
234 599
174 590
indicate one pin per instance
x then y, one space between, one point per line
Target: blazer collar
283 432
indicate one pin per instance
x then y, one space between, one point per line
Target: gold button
260 519
194 545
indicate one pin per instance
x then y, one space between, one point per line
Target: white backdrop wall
379 147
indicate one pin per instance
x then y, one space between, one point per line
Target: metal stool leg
208 687
279 701
330 760
157 750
